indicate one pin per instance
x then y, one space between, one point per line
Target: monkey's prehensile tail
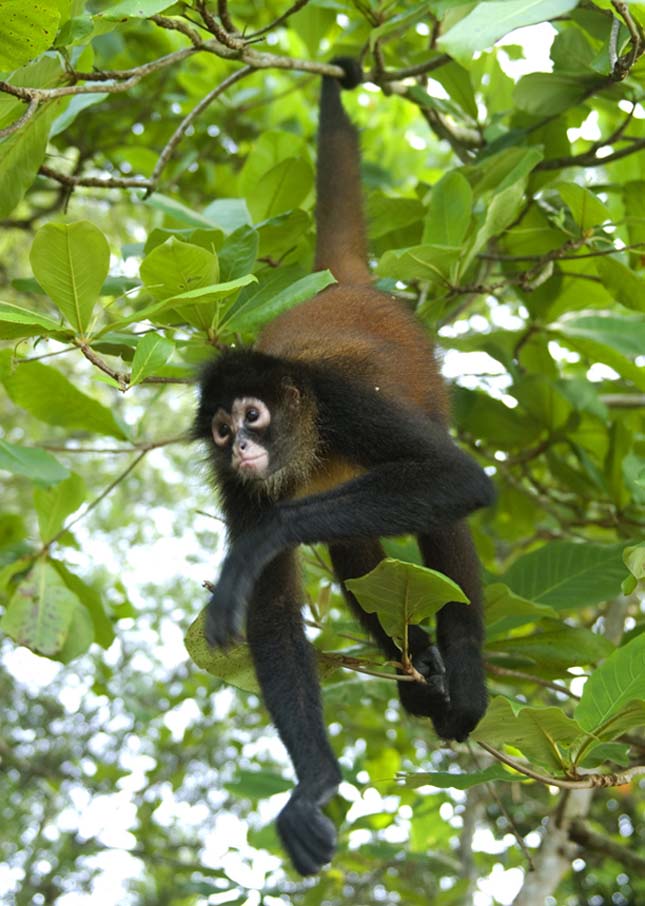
341 245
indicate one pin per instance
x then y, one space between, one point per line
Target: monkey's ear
291 393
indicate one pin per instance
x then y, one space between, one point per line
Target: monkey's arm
419 482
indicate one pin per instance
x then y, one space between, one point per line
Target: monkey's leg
286 670
460 631
352 559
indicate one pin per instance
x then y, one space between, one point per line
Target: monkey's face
241 437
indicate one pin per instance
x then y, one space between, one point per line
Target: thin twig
187 121
19 123
520 674
587 782
98 182
299 4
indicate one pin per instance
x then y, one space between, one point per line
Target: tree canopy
157 169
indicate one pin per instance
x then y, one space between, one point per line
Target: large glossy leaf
566 574
152 352
47 394
401 594
610 339
552 649
623 283
71 261
613 687
177 267
282 188
39 615
449 212
506 611
21 155
16 321
38 465
258 308
487 22
26 30
54 505
539 733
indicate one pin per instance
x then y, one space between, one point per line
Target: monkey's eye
252 415
221 431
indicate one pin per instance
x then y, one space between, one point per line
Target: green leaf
38 465
488 22
180 212
614 340
92 601
71 261
553 650
499 171
281 188
506 611
449 213
177 267
419 262
75 106
135 9
21 155
258 308
501 212
49 396
566 574
237 255
401 594
54 505
26 30
257 784
399 23
233 666
459 781
40 612
549 93
588 211
385 214
539 733
26 323
622 283
152 352
613 687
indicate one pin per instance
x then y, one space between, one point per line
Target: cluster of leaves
157 189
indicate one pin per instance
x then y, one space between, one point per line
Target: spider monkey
334 429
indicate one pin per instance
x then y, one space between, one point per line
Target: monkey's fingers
430 665
307 834
224 624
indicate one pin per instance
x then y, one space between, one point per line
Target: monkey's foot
432 697
307 834
468 697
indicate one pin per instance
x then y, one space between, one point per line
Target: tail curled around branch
341 244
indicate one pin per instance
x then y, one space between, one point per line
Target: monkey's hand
226 612
307 834
431 697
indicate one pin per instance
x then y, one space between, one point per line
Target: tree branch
582 834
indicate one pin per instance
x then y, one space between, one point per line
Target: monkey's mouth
253 466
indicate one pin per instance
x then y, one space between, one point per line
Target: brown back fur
366 334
